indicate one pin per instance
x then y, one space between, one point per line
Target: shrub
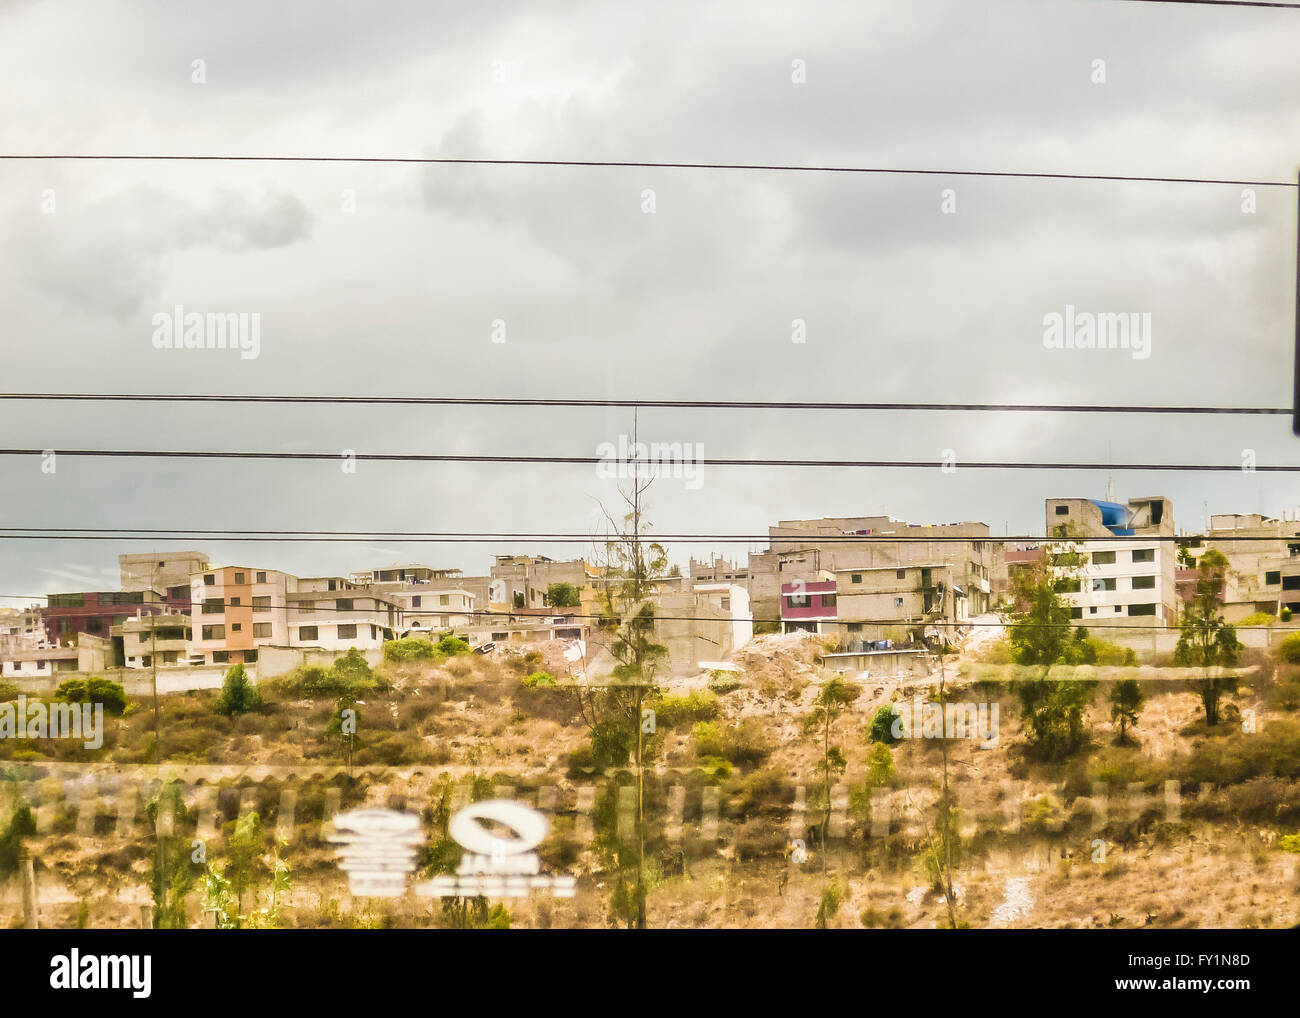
721 682
1113 654
8 691
450 646
537 679
1285 614
743 743
110 694
697 705
1289 649
1257 619
411 648
238 695
882 725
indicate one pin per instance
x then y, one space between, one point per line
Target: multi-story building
146 640
522 580
705 623
237 609
719 570
332 613
1263 556
22 625
804 549
97 612
809 606
898 603
430 599
161 570
1127 559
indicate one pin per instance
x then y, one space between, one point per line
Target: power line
1220 3
436 537
676 404
648 463
636 164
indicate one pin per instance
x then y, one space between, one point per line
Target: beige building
155 639
160 570
430 599
1263 556
803 549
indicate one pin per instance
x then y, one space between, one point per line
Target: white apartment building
332 613
430 599
1126 575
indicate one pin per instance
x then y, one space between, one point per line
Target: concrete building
898 603
161 570
332 613
431 599
1127 575
707 623
719 570
89 654
236 610
97 612
140 640
804 549
521 580
22 625
1263 556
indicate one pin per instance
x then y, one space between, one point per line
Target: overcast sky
695 300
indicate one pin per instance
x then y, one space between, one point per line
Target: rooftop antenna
1110 480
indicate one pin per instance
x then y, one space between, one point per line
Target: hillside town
881 590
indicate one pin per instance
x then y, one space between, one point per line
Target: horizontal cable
632 164
433 537
594 460
676 404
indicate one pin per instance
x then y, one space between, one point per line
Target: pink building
808 605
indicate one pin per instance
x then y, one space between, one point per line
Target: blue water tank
1114 517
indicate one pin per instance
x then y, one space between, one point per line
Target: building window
1144 583
348 631
1273 578
901 574
1144 554
261 576
146 661
415 601
178 593
1291 582
220 657
144 637
445 620
828 600
499 636
1103 583
1062 510
209 580
306 606
261 629
236 627
726 604
797 600
1092 610
898 602
250 656
94 625
1076 613
234 602
374 632
213 606
307 633
239 577
343 604
1103 558
1142 609
214 632
857 577
261 604
444 599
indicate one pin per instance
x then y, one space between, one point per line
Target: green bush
882 725
1113 654
537 679
738 744
110 694
721 682
1257 619
8 691
412 648
238 695
450 646
697 705
1289 649
349 675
